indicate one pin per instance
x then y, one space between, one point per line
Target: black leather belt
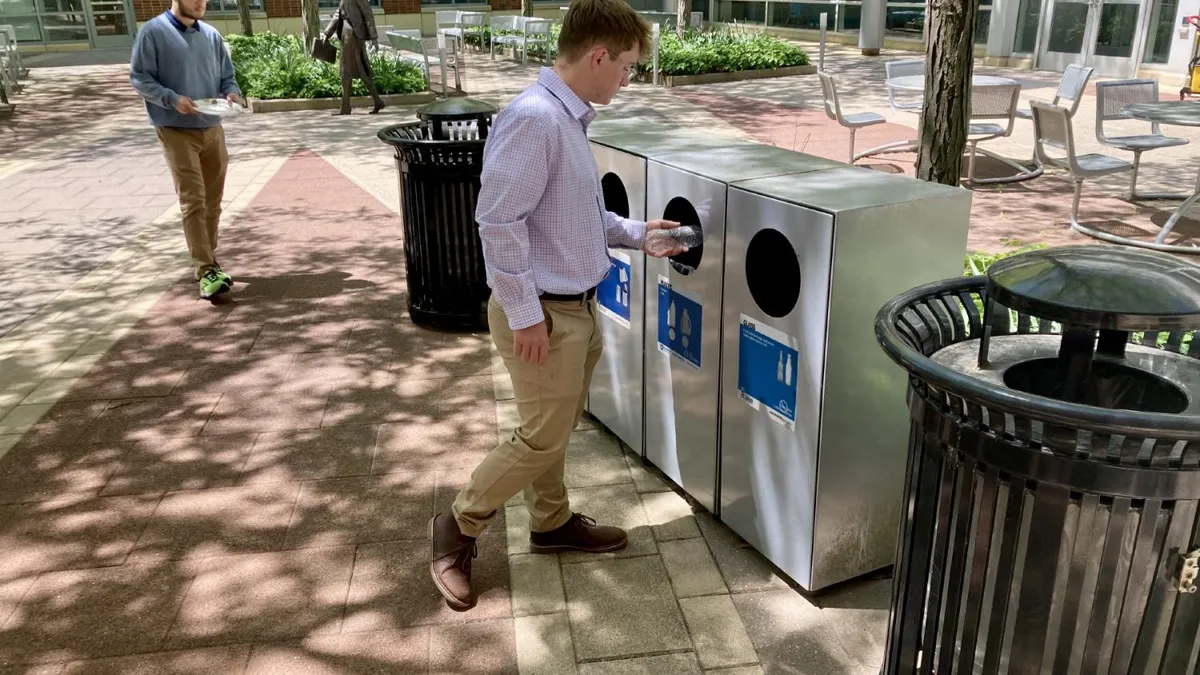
575 297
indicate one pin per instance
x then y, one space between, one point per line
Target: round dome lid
456 108
1103 287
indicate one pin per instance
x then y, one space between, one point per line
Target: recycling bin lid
846 188
653 140
1101 287
742 160
456 109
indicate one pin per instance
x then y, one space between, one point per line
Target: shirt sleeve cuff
524 315
635 231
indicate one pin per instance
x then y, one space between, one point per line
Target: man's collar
584 112
179 24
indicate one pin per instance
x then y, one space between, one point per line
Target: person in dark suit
355 26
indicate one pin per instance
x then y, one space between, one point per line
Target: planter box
736 76
294 104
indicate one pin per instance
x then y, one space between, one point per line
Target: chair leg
1075 203
971 163
852 132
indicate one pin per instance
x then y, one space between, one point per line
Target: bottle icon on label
779 369
671 320
686 326
623 289
787 371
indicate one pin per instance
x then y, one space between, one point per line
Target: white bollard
821 56
655 31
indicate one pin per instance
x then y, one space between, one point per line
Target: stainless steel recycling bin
683 305
813 422
616 397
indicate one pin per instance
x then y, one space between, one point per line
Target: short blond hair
614 24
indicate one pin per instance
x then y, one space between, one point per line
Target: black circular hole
1111 385
773 273
681 211
616 199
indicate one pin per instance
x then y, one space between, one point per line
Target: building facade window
842 17
46 21
1162 31
231 6
1028 23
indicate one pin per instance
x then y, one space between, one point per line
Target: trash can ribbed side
1037 536
439 161
447 282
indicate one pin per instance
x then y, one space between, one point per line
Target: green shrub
723 50
977 264
274 66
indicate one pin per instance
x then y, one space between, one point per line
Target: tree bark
683 11
244 15
312 22
527 7
950 63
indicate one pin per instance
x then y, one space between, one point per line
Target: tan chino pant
550 400
198 161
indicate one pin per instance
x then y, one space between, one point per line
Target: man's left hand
234 98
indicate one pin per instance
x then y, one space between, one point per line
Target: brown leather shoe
579 534
451 564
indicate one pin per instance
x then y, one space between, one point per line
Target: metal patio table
1177 113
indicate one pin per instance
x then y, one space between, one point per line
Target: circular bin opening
681 211
616 199
773 273
1115 386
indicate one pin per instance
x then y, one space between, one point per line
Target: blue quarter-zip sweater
170 60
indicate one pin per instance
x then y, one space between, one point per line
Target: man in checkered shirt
546 235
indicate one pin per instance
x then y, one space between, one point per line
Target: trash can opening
681 211
616 199
773 273
1115 386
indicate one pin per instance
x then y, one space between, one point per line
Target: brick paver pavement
243 487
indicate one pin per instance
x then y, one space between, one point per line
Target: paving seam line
161 238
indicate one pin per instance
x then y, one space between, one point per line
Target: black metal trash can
440 159
1050 521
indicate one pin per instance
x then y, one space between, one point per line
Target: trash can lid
456 109
1103 287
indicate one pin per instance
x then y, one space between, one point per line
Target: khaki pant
550 401
198 162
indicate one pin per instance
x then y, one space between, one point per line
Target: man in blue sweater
177 60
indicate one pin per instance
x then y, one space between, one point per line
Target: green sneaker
213 284
222 273
216 266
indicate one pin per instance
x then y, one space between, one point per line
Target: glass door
111 23
1103 34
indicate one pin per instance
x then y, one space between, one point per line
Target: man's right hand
532 344
185 106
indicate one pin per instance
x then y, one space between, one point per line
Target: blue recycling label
680 324
767 368
612 295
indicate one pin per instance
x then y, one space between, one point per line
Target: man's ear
597 55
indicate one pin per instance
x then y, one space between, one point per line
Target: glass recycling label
767 367
612 295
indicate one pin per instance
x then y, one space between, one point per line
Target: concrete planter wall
736 76
294 104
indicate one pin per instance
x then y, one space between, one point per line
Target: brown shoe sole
451 601
562 548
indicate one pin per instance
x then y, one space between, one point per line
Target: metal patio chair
1111 99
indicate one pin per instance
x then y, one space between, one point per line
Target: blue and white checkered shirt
541 212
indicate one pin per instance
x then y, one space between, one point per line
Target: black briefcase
322 50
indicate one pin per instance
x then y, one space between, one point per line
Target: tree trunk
244 15
683 11
527 7
950 62
312 23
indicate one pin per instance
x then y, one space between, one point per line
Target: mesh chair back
995 102
1074 81
1052 126
904 68
1112 97
829 94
